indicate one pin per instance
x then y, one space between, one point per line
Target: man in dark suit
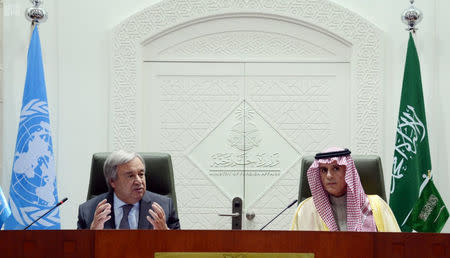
127 205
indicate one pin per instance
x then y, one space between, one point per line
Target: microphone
289 206
59 203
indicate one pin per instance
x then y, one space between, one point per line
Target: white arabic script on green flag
412 154
429 213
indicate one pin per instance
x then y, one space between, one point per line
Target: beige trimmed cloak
307 218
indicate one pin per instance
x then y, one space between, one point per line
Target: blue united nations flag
33 182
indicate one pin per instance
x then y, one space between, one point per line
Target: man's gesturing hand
101 215
157 217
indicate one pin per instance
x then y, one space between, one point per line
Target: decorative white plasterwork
366 60
245 45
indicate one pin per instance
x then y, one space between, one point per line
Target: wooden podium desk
144 243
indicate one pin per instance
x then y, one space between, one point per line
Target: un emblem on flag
33 183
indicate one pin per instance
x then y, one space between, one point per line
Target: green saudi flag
429 213
412 154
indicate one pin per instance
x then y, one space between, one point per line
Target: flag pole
411 144
414 200
33 188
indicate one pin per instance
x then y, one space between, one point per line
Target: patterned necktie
124 222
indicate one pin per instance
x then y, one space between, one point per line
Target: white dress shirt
133 216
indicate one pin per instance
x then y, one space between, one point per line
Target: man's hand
101 215
157 217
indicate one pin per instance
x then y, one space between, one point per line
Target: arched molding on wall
366 58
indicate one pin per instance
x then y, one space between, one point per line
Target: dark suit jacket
86 211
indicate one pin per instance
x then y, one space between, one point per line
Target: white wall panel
439 116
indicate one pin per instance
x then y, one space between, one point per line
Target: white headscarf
359 212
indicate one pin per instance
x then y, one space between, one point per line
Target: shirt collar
119 203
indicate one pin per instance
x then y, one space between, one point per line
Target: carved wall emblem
242 150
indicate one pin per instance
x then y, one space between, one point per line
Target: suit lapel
111 223
144 206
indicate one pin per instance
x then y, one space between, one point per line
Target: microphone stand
59 203
289 206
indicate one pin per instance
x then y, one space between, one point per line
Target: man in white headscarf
338 201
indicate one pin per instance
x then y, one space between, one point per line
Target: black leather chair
369 169
159 175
